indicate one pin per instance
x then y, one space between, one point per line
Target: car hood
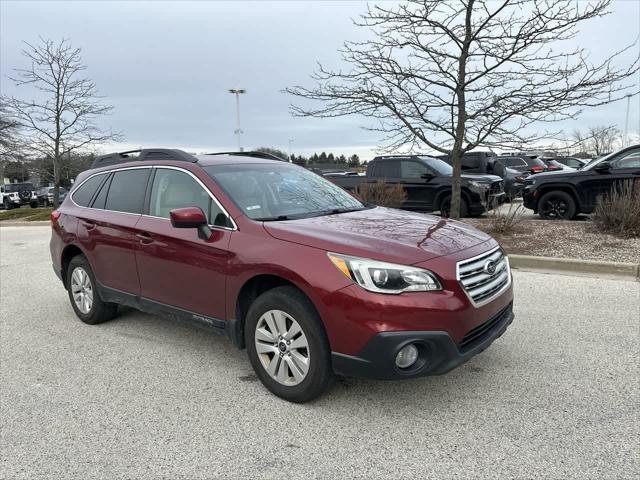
382 234
481 177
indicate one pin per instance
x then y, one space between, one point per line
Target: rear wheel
287 345
34 204
445 207
557 205
85 300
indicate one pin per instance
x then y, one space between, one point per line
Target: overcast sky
166 67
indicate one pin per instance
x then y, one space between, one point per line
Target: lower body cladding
407 354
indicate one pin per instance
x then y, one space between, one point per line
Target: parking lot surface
144 397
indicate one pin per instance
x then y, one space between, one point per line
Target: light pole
290 142
626 122
238 132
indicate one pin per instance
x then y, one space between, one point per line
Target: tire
98 310
34 205
264 324
557 205
445 205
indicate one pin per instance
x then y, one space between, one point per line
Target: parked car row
15 195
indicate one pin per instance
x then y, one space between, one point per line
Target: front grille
484 277
496 187
481 331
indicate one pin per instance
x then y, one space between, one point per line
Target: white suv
14 195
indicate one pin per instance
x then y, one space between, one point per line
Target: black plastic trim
438 353
113 295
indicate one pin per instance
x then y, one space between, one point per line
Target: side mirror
191 217
603 167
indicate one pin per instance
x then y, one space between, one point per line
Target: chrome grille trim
482 287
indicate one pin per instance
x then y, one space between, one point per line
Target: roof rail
255 154
143 154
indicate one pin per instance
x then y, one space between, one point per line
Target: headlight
480 185
530 182
381 277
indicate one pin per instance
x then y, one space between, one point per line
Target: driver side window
411 169
176 189
629 159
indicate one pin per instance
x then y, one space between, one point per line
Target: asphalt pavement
145 397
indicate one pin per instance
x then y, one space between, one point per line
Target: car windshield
439 166
17 187
279 191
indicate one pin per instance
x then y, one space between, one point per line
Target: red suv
310 280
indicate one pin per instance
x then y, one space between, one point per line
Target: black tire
557 205
445 207
34 205
295 304
100 311
7 205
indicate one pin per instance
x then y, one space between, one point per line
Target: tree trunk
456 153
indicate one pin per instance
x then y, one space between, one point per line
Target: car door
175 266
106 227
593 184
417 183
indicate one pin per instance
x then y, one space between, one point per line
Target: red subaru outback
310 280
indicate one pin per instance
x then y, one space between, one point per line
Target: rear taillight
55 215
537 169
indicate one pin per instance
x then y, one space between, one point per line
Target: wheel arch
251 289
68 253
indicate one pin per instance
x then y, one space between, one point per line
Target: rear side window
101 197
470 162
126 193
85 192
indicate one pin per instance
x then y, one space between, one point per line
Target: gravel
564 239
557 396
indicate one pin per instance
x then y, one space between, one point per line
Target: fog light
407 356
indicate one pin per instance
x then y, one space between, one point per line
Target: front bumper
529 199
438 353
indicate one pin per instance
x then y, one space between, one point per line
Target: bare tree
603 138
61 119
9 137
455 75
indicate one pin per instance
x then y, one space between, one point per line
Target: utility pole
290 142
237 92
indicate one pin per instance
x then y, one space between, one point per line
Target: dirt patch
564 239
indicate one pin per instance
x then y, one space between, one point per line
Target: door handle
144 238
88 224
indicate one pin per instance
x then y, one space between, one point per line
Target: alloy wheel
555 208
82 290
282 347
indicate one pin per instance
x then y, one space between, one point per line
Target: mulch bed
565 239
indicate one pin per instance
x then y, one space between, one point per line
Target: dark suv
427 182
560 195
305 276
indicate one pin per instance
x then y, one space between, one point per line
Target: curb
36 223
575 266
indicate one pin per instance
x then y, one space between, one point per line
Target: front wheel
34 204
287 345
85 300
557 205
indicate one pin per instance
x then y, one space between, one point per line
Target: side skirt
112 295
